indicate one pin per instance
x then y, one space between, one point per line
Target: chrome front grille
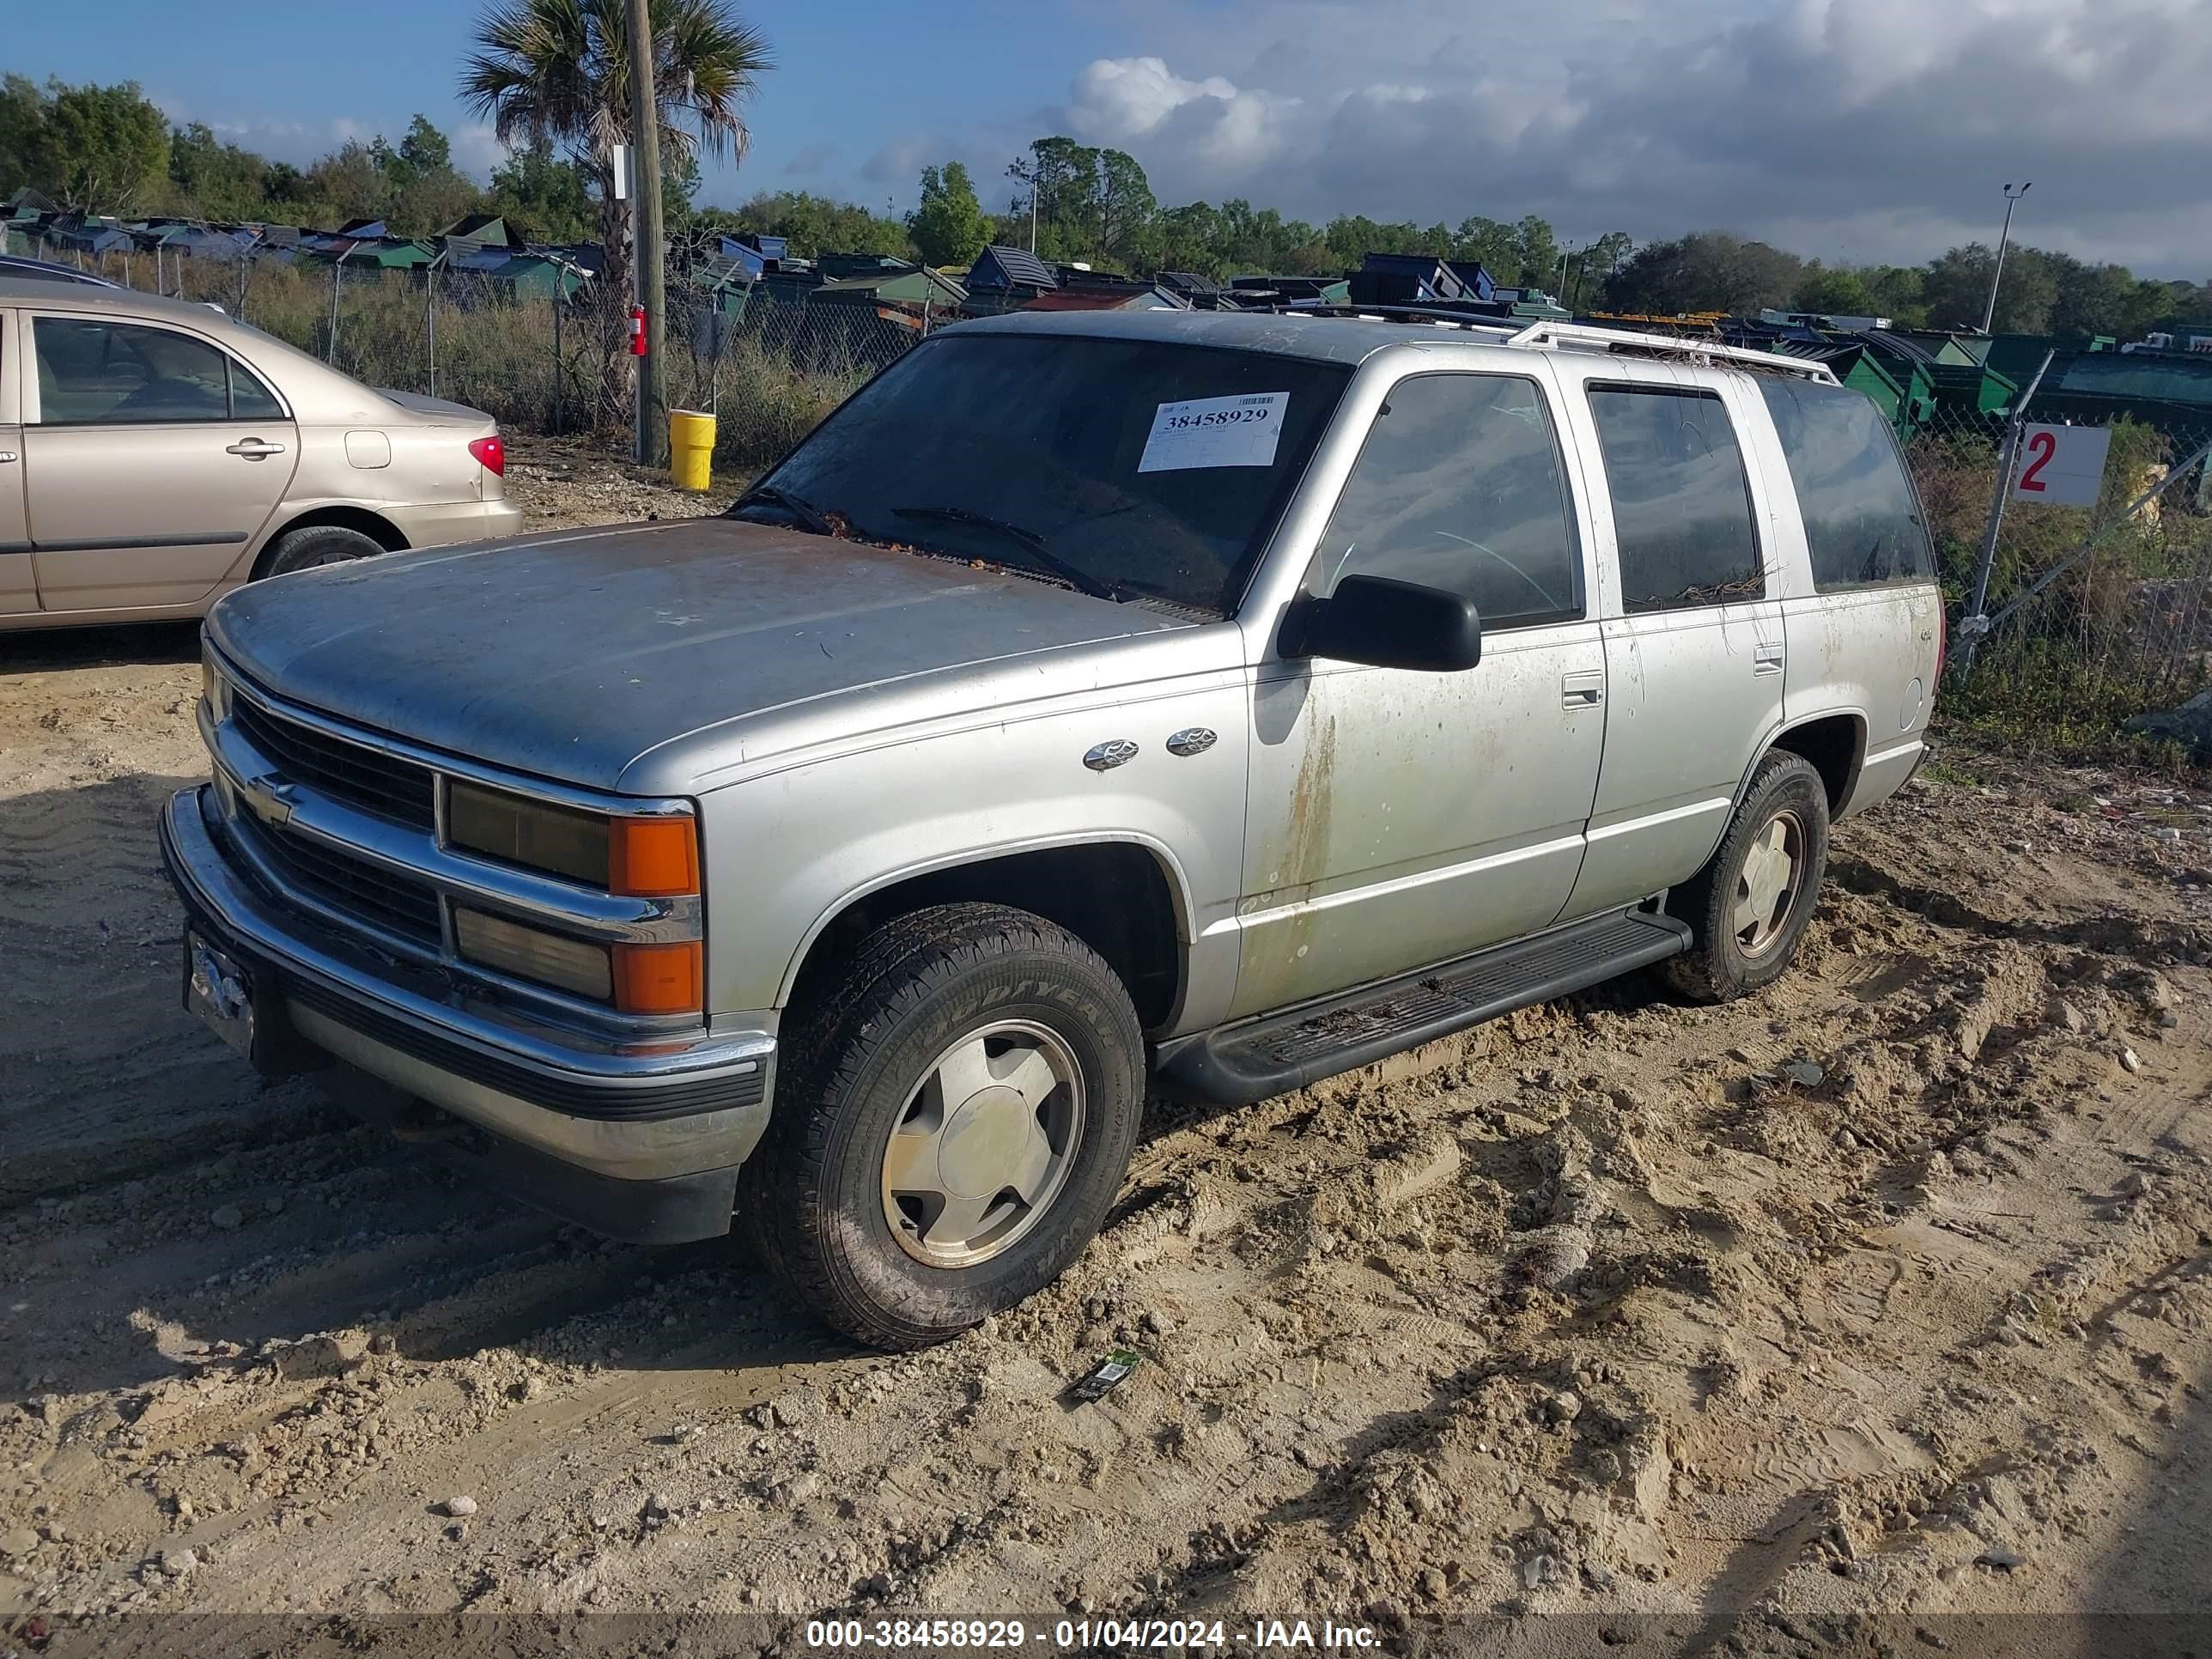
384 784
381 897
348 823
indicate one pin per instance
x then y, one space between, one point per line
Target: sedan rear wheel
316 544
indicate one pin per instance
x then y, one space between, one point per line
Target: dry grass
536 367
2120 632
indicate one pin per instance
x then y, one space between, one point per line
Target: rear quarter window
1862 521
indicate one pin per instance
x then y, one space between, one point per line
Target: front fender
787 852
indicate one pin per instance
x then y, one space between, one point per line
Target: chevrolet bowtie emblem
270 798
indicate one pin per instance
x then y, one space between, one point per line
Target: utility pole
2011 195
652 285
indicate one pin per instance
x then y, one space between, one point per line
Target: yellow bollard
691 448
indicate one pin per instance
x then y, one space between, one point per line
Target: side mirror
1386 623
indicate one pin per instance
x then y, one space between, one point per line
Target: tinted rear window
1681 503
1080 442
1863 521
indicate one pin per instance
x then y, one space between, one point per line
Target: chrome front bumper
642 1113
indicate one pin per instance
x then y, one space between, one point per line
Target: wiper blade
797 506
1028 540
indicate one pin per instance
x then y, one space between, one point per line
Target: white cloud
899 161
280 140
1887 125
476 148
1126 97
1216 129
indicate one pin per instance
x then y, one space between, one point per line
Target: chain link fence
769 368
2100 612
543 345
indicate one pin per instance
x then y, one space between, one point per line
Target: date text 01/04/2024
1173 1635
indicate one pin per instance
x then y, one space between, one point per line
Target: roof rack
1441 316
1614 339
1536 335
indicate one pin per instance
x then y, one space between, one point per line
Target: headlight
642 858
635 857
530 953
533 833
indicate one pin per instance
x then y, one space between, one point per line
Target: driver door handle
1583 688
254 449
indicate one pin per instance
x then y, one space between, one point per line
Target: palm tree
558 71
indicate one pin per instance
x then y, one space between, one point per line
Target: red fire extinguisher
637 330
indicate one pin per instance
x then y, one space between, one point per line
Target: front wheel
1748 909
955 1123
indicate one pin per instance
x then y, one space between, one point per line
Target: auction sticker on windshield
1215 432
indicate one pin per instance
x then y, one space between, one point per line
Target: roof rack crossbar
1543 333
1389 313
1553 333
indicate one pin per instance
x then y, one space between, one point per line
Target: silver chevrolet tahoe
1233 698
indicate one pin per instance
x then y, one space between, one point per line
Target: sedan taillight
492 451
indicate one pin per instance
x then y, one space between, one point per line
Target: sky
1859 130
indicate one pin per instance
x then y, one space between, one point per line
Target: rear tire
1748 908
952 1126
318 544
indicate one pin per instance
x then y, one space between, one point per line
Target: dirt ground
1885 1292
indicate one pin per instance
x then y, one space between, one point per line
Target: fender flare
1171 871
1771 741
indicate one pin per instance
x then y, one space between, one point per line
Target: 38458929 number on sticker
1238 431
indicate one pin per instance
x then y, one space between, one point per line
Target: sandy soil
1888 1291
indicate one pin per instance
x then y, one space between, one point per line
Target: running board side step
1276 1052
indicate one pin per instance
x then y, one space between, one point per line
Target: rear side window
1460 486
99 373
250 400
1862 521
1681 499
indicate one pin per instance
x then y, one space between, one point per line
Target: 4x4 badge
1105 757
1191 740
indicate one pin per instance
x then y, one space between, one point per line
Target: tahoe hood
571 655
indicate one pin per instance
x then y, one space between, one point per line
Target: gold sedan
154 454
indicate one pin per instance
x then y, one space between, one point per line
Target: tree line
109 149
1096 206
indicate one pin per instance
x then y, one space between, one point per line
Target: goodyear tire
1748 909
955 1121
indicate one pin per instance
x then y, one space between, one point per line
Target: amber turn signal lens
653 858
660 979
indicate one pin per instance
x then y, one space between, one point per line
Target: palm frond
559 70
709 65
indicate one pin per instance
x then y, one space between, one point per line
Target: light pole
2011 195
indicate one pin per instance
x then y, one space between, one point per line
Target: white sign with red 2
2063 465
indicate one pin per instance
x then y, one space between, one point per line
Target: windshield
1149 469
